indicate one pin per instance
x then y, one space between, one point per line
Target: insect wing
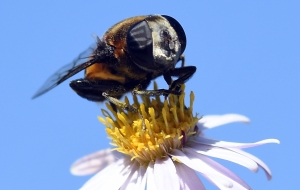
67 71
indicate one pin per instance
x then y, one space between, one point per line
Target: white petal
211 121
165 174
131 181
94 162
195 162
188 179
150 177
257 160
105 172
226 172
215 182
225 154
235 186
110 178
225 144
142 178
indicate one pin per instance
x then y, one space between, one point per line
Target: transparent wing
67 71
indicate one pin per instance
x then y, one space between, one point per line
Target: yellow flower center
152 132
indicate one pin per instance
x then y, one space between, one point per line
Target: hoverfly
127 58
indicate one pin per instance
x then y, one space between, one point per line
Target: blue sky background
247 58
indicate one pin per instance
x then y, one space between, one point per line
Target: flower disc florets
155 130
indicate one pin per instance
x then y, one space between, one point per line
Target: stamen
156 129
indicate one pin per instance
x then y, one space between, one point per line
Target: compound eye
140 44
179 30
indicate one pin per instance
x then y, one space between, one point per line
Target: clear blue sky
247 55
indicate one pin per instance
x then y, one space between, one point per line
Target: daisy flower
162 146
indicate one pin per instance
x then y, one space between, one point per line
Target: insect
127 58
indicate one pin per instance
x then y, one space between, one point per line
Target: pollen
155 130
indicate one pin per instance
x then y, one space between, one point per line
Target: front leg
159 92
183 74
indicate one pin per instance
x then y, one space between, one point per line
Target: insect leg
99 90
183 74
119 103
140 89
182 59
167 75
158 92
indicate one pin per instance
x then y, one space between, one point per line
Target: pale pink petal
165 174
150 177
257 160
195 162
131 181
142 178
211 121
225 144
226 172
110 178
177 142
188 178
94 162
225 154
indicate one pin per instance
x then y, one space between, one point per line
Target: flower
162 146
